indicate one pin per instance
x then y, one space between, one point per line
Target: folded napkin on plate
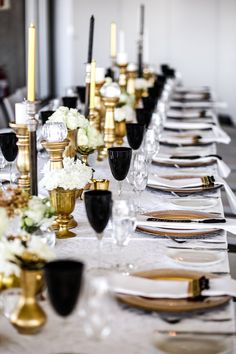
193 104
179 183
229 193
172 289
229 225
223 168
191 113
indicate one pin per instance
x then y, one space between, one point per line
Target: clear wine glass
123 224
140 178
150 145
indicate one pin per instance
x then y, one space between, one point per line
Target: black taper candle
140 42
33 163
90 54
90 44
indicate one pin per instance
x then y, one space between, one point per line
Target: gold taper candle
31 64
113 40
92 84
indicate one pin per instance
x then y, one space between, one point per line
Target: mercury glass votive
54 132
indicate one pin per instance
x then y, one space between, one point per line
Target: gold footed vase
120 128
29 317
84 152
70 150
63 201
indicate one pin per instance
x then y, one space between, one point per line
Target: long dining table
133 330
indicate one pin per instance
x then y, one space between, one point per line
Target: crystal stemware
119 161
9 149
98 205
123 223
140 177
150 145
64 279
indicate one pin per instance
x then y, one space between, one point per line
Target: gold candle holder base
55 151
122 76
23 158
94 118
109 126
131 76
99 106
120 128
29 317
63 201
102 153
138 98
70 150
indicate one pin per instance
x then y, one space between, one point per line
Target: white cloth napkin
191 113
180 183
229 193
223 168
193 104
229 225
172 289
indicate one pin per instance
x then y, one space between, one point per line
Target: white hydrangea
74 175
89 137
70 117
141 84
3 221
119 114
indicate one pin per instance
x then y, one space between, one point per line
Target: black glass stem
98 205
70 101
8 145
44 115
135 133
119 161
64 279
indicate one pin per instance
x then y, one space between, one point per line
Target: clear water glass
140 178
150 145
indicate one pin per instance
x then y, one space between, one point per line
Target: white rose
82 139
119 114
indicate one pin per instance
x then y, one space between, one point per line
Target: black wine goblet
119 161
98 205
144 116
135 133
8 143
64 279
70 101
44 115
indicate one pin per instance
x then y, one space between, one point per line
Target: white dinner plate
196 204
195 258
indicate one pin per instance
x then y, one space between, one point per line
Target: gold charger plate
178 215
173 305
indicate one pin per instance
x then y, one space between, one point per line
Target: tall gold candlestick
23 158
31 64
92 84
113 41
123 76
109 126
55 151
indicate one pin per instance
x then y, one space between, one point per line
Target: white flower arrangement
89 137
120 114
3 221
141 84
31 254
38 214
70 117
74 175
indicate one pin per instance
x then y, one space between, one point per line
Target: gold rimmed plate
178 215
173 305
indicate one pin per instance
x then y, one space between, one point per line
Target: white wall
195 36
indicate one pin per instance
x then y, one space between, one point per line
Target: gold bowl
100 184
84 151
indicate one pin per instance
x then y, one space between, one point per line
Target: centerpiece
88 139
63 185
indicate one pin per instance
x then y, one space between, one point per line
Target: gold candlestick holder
99 105
109 126
131 76
55 151
122 76
138 98
23 158
94 118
